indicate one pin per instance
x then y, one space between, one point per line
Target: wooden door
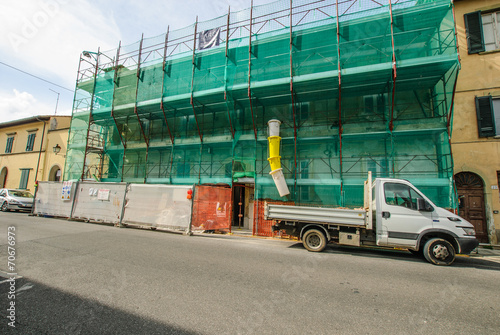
470 188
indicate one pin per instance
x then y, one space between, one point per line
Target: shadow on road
402 255
40 309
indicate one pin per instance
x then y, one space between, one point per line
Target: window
488 116
31 141
401 195
25 175
8 147
483 31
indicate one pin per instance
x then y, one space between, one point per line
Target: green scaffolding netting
359 85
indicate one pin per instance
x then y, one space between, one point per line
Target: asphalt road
81 278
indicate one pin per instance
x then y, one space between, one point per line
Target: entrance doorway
243 201
470 189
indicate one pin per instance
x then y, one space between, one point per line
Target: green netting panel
150 83
158 130
186 164
112 165
372 152
314 51
103 97
134 167
423 30
216 163
159 165
365 42
424 158
126 85
318 172
214 121
178 77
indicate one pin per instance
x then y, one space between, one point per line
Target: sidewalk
487 252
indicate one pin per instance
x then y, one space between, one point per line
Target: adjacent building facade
32 149
476 124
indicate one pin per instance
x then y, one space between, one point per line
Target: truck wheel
439 251
314 240
5 206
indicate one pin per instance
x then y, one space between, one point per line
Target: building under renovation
358 85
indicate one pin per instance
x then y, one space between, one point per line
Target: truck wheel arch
315 226
437 233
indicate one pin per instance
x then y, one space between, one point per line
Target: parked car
18 200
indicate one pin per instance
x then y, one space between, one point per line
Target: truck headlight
469 231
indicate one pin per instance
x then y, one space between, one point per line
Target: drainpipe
274 157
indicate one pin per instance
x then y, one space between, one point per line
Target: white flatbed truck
395 214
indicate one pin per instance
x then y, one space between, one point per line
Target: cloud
18 105
47 36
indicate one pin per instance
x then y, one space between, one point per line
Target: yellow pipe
274 152
275 158
274 146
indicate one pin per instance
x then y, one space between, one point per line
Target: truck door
401 221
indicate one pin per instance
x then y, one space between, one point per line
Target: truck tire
5 206
438 251
314 240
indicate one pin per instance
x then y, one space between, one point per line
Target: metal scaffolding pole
138 74
124 143
394 77
293 105
90 114
250 70
146 140
163 85
339 70
225 74
192 80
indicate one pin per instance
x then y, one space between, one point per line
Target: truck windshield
401 195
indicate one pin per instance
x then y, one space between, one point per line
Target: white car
18 200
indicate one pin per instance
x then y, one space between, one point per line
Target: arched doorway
3 177
470 189
55 173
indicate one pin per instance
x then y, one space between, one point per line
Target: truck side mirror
423 205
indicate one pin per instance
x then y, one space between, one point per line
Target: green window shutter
474 32
10 142
31 142
485 116
25 175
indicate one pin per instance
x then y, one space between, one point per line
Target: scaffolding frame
337 74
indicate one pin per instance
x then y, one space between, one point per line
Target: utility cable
32 75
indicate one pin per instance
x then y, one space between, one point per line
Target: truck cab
405 217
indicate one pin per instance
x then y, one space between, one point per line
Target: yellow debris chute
274 157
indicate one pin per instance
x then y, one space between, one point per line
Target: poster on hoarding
103 195
66 190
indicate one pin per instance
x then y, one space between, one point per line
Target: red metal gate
212 208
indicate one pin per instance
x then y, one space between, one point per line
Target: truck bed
351 217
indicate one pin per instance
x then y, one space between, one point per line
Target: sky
43 40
